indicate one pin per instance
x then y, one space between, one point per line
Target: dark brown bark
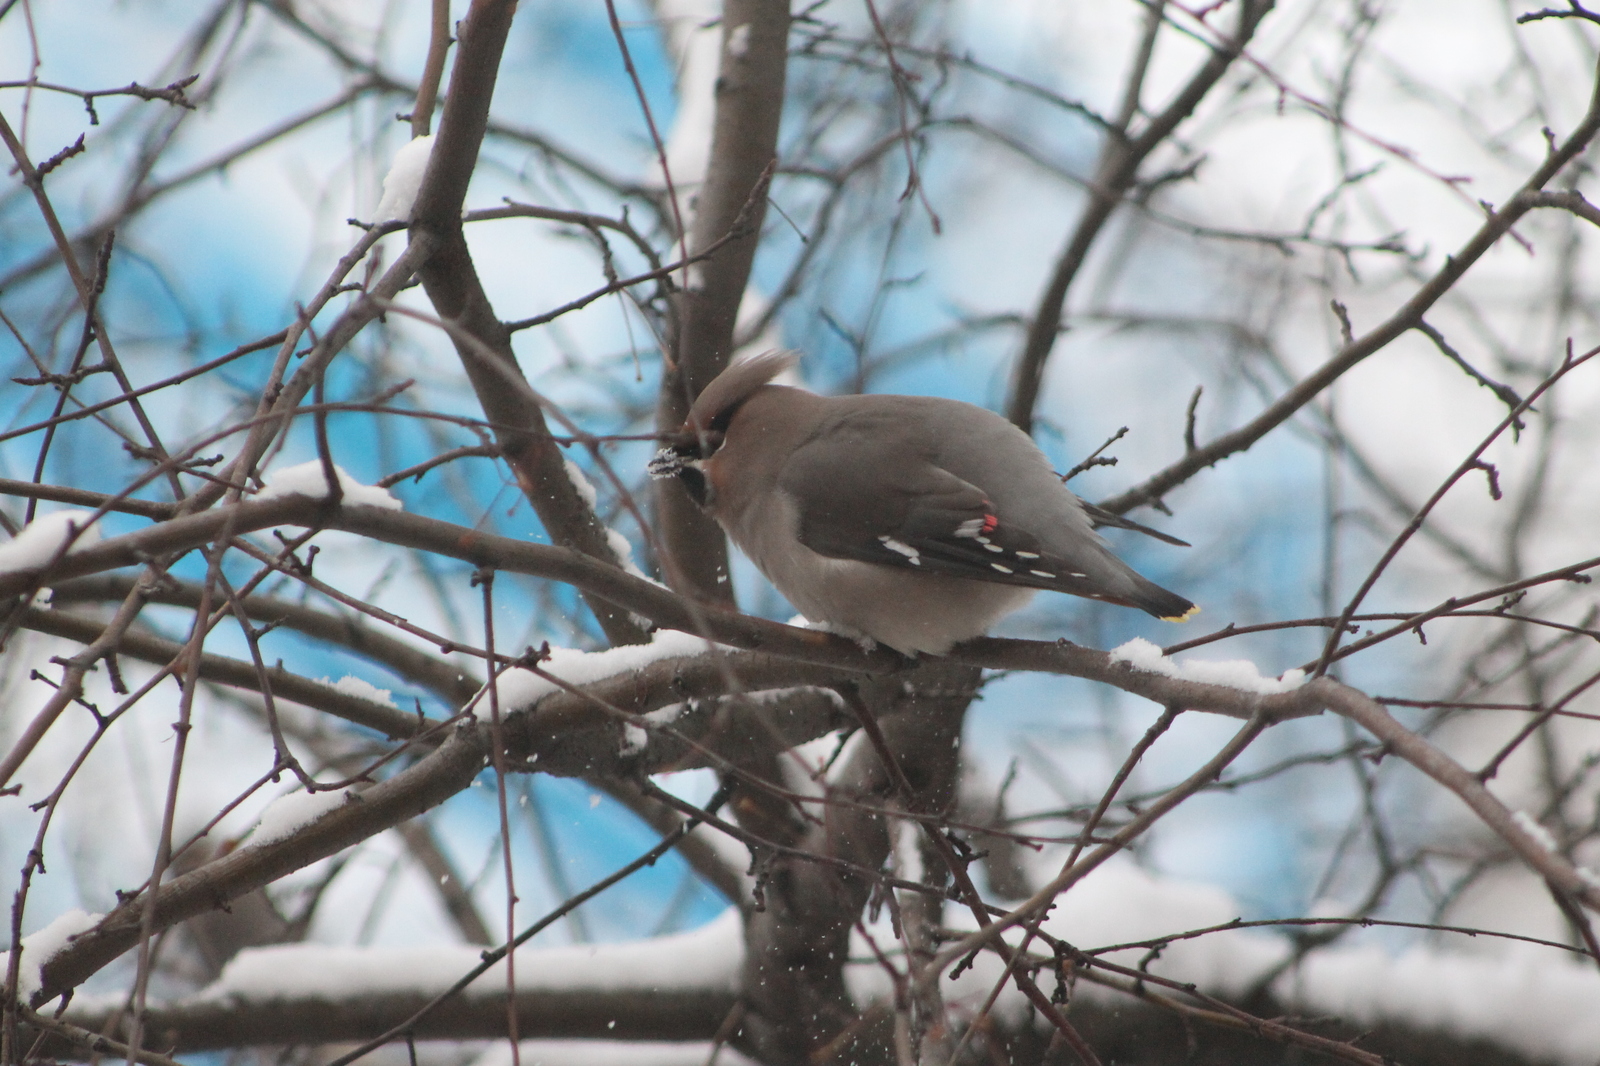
452 283
797 944
623 1014
1122 1030
744 143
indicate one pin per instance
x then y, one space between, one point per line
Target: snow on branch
41 540
1234 673
521 689
39 948
645 707
680 987
676 987
288 814
400 185
309 479
706 958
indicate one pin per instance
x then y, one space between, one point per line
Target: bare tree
1277 272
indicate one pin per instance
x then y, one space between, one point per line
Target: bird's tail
1153 599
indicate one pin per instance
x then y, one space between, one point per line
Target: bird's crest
715 406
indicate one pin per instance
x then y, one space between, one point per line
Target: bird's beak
668 462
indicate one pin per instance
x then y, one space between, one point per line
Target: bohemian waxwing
915 521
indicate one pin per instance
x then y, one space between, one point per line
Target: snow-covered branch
669 988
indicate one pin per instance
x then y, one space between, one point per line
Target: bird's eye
689 445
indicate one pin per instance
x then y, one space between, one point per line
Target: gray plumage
916 521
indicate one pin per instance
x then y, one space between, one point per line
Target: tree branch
1408 317
420 787
744 140
648 1013
1583 885
452 284
443 678
236 673
1116 172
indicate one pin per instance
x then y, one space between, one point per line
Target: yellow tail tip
1193 610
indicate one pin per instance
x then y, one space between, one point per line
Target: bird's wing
904 510
1102 517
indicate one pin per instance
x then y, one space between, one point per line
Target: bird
912 521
